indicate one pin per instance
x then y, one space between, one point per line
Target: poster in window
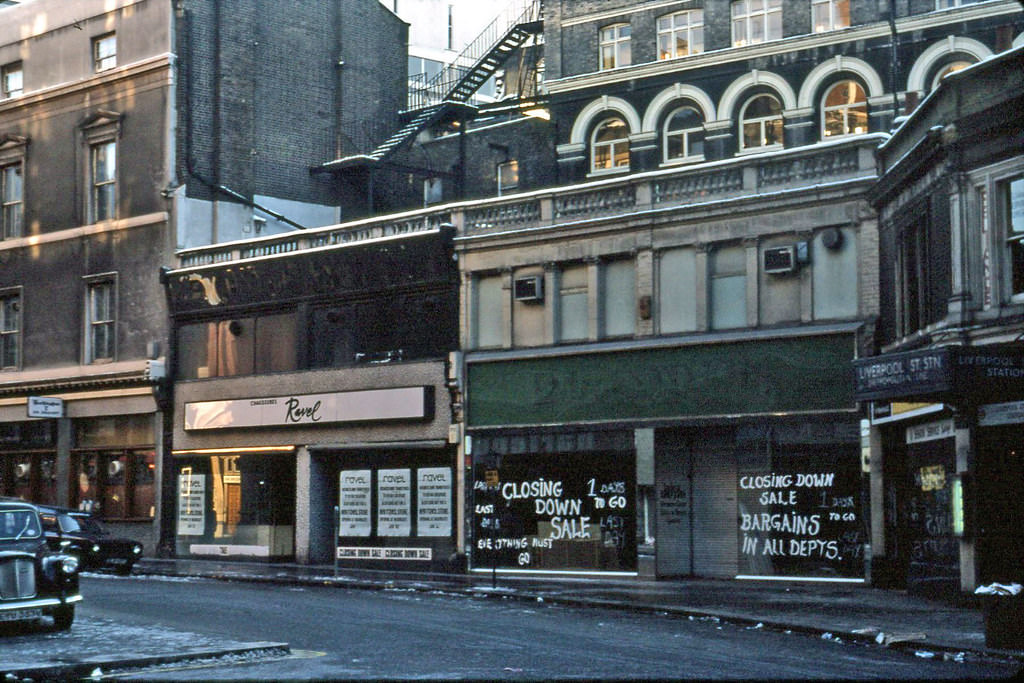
354 502
394 502
191 504
570 511
433 501
800 516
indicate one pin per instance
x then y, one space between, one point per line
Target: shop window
116 484
830 15
677 301
609 147
615 48
10 329
100 319
618 298
761 123
755 21
844 110
244 500
488 312
573 304
684 135
681 34
728 288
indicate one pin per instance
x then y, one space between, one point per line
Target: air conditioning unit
528 288
779 259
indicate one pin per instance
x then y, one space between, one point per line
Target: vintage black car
35 579
82 535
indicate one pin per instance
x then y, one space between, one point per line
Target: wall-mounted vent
779 259
528 288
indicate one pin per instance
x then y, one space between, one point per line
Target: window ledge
608 172
683 161
759 150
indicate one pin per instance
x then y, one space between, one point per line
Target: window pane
677 304
728 302
489 312
619 298
142 495
235 347
275 343
572 304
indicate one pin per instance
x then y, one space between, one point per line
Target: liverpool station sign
955 374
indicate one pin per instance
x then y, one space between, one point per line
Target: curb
84 669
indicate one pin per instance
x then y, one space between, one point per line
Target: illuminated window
100 320
610 146
761 123
845 110
830 15
508 177
615 49
117 484
755 21
11 80
952 67
684 135
104 52
10 329
681 34
11 200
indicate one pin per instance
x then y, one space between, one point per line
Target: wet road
344 633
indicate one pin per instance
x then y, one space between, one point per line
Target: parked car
82 535
35 579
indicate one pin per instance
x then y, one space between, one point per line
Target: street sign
42 406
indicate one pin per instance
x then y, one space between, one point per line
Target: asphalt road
343 633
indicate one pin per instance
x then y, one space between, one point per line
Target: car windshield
19 524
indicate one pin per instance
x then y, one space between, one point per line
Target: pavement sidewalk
892 618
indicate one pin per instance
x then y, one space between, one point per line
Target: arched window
948 69
609 147
761 123
844 111
684 135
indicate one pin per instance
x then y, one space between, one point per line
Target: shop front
737 459
358 476
947 465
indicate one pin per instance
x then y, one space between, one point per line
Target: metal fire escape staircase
449 92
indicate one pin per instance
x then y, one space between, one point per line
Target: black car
82 535
35 580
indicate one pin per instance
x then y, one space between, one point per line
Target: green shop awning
797 374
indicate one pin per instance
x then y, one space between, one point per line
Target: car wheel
124 569
63 617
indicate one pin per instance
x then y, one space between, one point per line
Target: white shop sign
191 499
434 501
403 403
394 502
44 406
932 431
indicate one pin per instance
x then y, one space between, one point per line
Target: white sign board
434 501
191 500
41 406
403 403
932 431
394 502
354 502
1001 414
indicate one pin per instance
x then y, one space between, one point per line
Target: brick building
130 129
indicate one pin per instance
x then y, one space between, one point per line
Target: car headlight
69 564
137 549
95 547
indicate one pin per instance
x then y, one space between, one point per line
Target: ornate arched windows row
841 91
